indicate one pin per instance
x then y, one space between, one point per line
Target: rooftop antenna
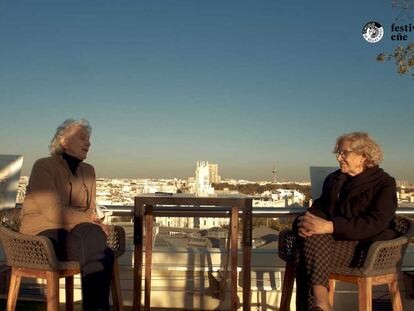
274 171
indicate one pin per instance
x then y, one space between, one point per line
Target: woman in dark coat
357 207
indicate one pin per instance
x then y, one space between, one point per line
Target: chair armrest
22 250
384 256
116 240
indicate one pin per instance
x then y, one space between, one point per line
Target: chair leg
395 294
287 287
331 291
69 292
116 287
13 291
365 293
52 281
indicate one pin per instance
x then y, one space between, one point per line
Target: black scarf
72 162
346 187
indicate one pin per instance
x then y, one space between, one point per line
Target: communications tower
274 171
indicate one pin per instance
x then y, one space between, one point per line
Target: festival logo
372 32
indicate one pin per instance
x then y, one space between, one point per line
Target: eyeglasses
343 153
88 201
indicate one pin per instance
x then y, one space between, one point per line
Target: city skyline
238 83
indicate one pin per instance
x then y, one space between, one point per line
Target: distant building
405 195
193 222
403 183
279 198
202 184
21 191
213 174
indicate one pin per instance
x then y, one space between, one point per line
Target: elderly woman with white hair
60 204
356 208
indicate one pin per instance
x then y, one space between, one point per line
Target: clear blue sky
238 83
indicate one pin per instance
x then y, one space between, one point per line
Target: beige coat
55 198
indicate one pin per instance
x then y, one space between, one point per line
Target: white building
279 198
213 173
202 183
201 187
192 222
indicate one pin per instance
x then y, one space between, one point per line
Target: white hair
363 144
55 147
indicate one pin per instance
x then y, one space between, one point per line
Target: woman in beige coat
60 204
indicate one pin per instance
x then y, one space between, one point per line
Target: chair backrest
404 226
10 218
317 176
10 168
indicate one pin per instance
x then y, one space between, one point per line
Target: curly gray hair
55 147
363 144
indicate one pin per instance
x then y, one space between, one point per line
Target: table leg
234 235
149 221
247 249
138 249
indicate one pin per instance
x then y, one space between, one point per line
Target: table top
188 199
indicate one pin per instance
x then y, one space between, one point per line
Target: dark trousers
318 255
86 243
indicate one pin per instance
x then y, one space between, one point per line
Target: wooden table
178 205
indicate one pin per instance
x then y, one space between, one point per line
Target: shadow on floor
25 305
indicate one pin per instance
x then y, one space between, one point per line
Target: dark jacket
361 207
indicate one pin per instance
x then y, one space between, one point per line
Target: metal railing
174 211
180 211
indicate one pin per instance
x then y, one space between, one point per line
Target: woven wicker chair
380 267
34 257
